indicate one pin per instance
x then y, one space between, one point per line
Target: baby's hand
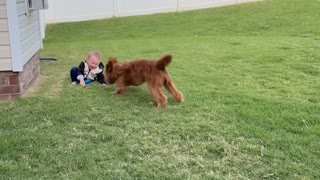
82 83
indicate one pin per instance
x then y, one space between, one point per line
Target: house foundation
16 84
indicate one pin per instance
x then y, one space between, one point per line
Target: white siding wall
76 10
43 23
5 53
30 35
20 35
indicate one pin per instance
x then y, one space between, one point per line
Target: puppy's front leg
120 88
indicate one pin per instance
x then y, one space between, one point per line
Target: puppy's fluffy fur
134 73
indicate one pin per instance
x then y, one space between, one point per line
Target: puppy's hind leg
159 96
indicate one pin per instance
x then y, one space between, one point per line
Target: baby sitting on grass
88 70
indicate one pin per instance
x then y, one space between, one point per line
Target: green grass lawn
250 75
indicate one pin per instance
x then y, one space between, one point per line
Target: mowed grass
250 75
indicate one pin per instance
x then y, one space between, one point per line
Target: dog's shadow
135 95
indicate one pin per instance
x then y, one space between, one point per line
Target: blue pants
74 73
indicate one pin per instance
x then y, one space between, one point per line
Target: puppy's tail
162 63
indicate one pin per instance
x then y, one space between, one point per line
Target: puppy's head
110 71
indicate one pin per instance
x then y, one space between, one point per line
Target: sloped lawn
250 75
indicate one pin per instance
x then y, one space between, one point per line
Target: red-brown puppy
134 73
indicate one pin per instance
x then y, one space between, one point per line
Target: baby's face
93 62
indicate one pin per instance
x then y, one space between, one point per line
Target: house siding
30 35
5 53
19 46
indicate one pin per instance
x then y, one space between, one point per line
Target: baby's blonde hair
94 53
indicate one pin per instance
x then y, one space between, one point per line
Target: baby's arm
100 76
80 75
